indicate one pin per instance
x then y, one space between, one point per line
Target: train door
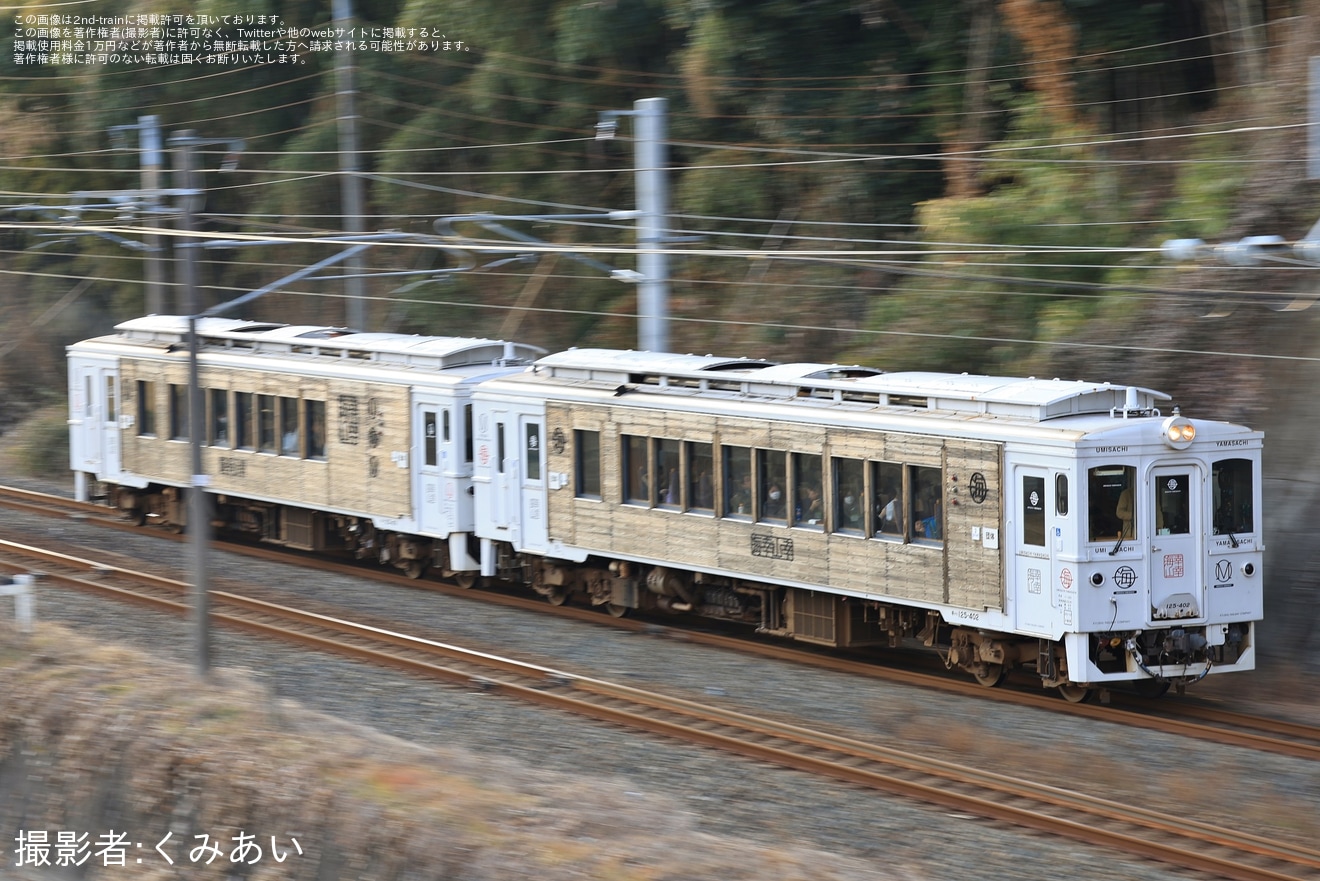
94 419
1176 564
434 490
532 496
1032 522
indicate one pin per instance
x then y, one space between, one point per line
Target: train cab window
737 482
1173 505
771 485
314 416
636 475
429 455
808 491
700 478
532 449
849 505
1033 510
146 408
1231 484
927 503
499 447
886 500
448 429
1110 512
668 478
289 441
265 423
586 464
178 412
243 421
1061 495
219 427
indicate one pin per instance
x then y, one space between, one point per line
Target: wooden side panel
976 573
367 447
958 570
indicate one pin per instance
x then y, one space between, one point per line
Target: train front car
1141 559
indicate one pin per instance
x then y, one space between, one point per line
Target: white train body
1069 528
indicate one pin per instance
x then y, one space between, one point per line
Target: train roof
1029 398
410 350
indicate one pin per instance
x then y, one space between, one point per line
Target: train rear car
313 437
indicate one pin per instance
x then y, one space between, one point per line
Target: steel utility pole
149 158
355 289
184 143
652 185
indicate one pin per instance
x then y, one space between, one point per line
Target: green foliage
41 444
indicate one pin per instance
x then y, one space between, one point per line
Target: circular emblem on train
1173 484
1065 578
1125 577
978 487
1034 498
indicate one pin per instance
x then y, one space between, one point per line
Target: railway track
1183 718
1178 841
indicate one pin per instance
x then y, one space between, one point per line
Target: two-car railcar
1068 528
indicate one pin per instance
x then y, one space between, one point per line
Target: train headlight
1179 432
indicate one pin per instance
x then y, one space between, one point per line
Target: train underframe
817 617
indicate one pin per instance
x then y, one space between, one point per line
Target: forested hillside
977 185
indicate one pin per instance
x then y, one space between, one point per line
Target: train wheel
990 675
616 610
557 596
1076 694
414 568
465 580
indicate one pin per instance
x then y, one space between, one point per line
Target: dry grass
108 738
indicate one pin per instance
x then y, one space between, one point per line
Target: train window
771 483
429 456
532 448
467 433
668 485
314 414
1110 512
88 400
289 443
1173 505
586 464
499 447
1231 484
1061 495
700 478
636 476
886 499
849 507
266 423
737 482
448 431
1033 510
146 408
178 412
111 412
219 433
243 421
927 503
808 498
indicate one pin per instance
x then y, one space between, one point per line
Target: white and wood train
1067 528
